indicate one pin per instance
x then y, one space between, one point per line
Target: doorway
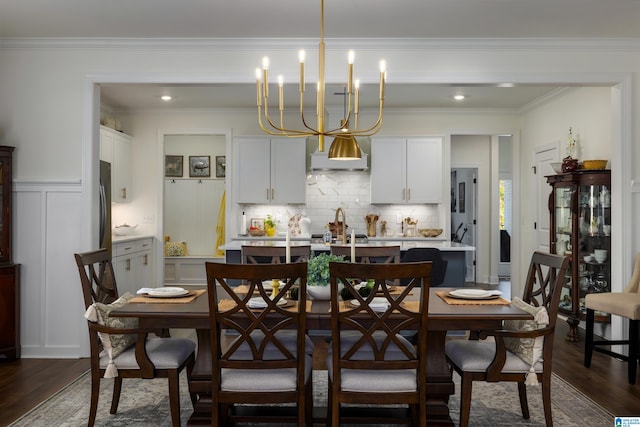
464 214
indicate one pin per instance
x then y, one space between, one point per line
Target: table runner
227 304
458 301
409 305
193 294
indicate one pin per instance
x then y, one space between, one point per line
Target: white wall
49 112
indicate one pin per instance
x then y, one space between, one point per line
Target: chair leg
588 338
174 397
115 399
524 404
465 399
633 350
95 393
190 364
546 399
309 404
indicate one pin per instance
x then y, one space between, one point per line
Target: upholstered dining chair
119 348
434 255
261 351
273 254
625 304
522 351
368 254
369 361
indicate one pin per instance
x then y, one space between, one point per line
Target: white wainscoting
47 221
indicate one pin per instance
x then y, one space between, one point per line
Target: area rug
145 403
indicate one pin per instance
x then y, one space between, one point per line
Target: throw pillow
114 344
527 349
175 249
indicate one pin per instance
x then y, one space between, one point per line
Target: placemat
227 304
409 305
458 301
193 294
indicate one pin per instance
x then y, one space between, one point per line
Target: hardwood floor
27 382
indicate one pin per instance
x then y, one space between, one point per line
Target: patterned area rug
145 403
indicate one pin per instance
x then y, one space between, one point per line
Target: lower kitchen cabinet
133 264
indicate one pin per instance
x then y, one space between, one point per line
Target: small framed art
173 166
221 167
199 166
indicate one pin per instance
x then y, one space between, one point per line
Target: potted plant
318 275
270 226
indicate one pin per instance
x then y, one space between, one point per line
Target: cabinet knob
124 193
146 259
408 194
128 267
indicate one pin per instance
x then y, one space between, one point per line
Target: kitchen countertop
446 246
129 238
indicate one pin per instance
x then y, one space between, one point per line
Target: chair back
377 344
634 283
97 277
274 254
369 254
434 255
258 344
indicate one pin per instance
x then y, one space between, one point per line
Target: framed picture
199 166
461 198
173 166
257 223
221 167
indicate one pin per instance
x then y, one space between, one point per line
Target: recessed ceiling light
459 97
165 98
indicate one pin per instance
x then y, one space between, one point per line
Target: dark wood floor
27 382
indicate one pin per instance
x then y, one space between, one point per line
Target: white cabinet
270 170
115 148
406 170
133 264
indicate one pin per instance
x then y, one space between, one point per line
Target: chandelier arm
271 129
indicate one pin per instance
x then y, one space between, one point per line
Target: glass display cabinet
580 208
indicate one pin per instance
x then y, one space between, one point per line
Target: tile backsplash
350 190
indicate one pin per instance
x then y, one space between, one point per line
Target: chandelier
344 146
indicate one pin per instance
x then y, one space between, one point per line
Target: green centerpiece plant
318 275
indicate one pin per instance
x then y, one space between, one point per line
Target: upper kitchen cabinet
406 170
115 148
270 170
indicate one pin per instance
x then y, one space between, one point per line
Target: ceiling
465 19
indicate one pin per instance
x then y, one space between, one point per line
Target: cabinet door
121 169
288 177
388 173
253 170
143 270
124 269
106 145
424 170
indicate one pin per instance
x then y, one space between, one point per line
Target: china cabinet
406 170
580 208
116 148
9 272
270 170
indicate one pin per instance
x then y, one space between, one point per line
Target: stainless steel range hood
320 160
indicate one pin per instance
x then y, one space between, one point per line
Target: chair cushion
528 349
476 356
164 353
376 381
114 344
286 337
262 380
625 304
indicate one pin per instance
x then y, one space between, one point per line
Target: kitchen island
454 253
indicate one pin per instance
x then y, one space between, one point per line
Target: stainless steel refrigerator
105 205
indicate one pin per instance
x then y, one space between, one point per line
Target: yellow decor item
175 249
220 226
594 164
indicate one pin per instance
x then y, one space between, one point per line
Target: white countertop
447 246
129 238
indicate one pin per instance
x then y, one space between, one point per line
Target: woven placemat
458 301
193 294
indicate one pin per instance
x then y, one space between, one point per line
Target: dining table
445 314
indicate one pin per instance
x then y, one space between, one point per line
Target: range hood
321 161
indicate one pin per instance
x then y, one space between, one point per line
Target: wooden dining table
443 317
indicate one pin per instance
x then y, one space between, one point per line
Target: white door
544 156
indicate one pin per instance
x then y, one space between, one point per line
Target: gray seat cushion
476 356
261 380
164 353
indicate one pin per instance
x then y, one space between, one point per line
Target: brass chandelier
344 146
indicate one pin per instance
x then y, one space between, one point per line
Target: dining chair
439 269
625 304
119 348
522 351
368 254
269 357
273 254
369 361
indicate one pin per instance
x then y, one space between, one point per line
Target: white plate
167 292
474 294
259 302
376 304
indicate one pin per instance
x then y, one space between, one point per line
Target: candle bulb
353 246
288 248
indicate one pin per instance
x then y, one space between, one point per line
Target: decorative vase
569 164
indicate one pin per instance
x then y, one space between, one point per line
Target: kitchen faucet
344 226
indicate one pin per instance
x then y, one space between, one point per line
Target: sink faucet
343 235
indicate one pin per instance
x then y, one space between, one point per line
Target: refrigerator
105 205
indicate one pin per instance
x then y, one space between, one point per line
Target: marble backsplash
350 190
